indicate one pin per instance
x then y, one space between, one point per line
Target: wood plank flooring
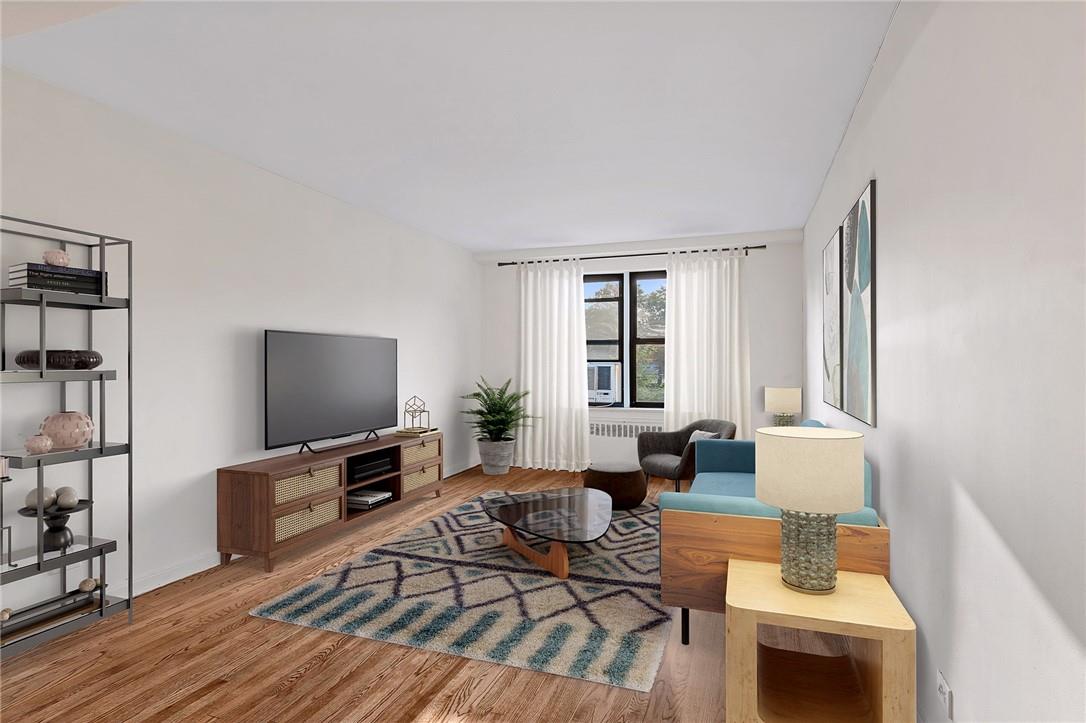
194 654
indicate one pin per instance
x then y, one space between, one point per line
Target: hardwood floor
195 654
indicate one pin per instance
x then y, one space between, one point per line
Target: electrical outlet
946 695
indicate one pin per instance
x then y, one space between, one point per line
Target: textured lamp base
809 551
781 419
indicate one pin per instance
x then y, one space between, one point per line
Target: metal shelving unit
71 610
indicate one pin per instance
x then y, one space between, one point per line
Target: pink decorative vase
68 430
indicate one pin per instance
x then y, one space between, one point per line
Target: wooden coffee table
567 514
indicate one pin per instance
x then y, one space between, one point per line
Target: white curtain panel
706 358
553 366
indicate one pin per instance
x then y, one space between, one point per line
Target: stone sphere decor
5 614
67 498
65 359
88 584
48 497
56 257
38 444
68 430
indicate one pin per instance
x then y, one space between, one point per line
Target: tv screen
318 386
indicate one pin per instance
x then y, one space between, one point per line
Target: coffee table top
567 514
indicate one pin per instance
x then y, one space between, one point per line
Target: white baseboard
173 573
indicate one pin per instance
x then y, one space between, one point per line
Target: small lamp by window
785 403
812 474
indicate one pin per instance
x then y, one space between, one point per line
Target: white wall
224 250
973 125
772 280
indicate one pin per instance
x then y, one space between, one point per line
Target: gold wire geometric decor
416 417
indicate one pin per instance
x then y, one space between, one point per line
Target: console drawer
425 476
306 519
426 450
310 482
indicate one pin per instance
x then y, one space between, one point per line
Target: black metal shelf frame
95 245
25 376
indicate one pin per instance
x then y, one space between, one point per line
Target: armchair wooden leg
686 626
678 485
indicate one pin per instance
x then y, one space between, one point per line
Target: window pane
601 289
649 373
601 319
603 352
651 302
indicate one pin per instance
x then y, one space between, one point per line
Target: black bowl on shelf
65 359
57 536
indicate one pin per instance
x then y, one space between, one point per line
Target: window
648 304
607 327
603 331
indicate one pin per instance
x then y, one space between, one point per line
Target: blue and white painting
858 308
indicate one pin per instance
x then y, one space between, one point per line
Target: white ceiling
498 126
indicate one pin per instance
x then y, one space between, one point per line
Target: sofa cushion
702 434
731 484
748 506
662 465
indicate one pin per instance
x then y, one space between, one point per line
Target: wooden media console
267 507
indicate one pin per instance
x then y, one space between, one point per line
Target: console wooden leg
437 492
555 561
267 563
224 558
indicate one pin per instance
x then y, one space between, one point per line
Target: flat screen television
320 386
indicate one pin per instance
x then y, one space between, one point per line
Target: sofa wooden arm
695 548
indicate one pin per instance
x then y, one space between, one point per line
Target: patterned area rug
451 585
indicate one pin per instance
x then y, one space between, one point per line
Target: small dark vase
57 535
66 359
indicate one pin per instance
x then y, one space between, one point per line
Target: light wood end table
875 682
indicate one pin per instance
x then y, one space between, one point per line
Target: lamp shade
809 469
783 400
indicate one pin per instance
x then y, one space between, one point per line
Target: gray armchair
670 454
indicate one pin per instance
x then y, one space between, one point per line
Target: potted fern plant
498 414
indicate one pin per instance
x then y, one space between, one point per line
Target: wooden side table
875 682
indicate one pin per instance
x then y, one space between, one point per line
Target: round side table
625 483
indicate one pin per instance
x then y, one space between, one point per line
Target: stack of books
57 278
416 432
364 500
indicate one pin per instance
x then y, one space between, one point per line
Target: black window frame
618 343
636 340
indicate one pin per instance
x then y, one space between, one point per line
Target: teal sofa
720 518
724 483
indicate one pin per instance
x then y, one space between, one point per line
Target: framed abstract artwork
858 308
831 321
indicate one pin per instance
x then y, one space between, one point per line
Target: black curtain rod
745 249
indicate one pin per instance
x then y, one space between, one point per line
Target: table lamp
785 403
812 474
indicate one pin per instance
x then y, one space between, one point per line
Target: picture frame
858 309
831 321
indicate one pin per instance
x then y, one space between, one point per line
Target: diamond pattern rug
451 585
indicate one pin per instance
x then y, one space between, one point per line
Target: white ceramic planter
496 456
